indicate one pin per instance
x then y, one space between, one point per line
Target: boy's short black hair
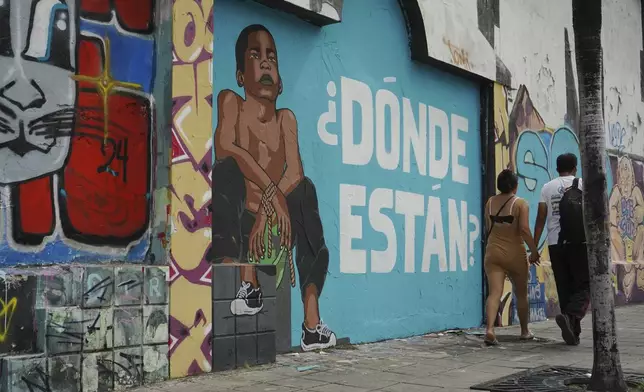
242 44
566 163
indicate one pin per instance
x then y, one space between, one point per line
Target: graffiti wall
89 328
527 145
190 272
624 109
77 130
623 87
627 227
536 119
451 36
81 105
536 113
355 174
532 155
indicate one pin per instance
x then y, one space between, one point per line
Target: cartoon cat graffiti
36 113
259 186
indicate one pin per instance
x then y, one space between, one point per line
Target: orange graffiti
460 56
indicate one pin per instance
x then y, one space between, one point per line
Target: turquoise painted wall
401 217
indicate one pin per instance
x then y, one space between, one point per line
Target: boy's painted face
37 93
261 74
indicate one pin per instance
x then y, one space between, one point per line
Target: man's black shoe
567 333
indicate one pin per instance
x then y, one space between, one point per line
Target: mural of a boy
258 181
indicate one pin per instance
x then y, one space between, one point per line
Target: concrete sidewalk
435 362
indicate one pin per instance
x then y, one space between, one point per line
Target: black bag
571 216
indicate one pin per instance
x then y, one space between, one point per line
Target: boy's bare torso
264 141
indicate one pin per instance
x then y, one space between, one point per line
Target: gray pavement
436 362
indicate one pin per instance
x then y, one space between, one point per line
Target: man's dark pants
570 267
232 223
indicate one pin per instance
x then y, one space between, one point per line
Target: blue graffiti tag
535 161
616 134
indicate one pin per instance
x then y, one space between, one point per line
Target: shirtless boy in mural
258 179
627 225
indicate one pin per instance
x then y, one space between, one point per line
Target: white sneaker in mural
248 302
317 339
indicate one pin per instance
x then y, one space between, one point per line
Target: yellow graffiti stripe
185 300
501 128
7 310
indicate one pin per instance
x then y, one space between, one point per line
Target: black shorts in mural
232 223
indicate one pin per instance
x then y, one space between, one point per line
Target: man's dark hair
566 163
507 181
242 44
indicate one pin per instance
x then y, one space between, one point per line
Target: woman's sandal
491 342
527 337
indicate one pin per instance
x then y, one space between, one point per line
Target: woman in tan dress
505 254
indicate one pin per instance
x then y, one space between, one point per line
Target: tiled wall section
89 328
241 341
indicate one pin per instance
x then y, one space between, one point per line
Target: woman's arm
524 227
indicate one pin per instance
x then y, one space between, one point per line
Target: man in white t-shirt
569 261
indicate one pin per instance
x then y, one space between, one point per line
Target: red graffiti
34 217
95 6
106 184
103 191
136 16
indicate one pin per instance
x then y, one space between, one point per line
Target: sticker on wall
319 12
331 9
